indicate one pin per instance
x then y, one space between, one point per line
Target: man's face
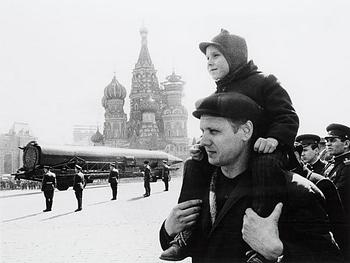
309 155
217 65
221 143
46 170
335 146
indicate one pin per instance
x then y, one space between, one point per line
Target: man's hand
261 234
182 216
265 145
196 153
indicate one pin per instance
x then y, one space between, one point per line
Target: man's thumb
276 213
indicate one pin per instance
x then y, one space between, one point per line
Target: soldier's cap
307 139
78 167
146 162
336 130
164 161
112 164
47 166
231 105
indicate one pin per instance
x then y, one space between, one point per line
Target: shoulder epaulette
346 161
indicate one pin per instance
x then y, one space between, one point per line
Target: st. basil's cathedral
158 120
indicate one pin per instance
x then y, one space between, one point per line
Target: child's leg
269 186
196 177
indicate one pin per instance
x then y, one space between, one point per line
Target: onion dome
114 90
174 78
97 137
149 105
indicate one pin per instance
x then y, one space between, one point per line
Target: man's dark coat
303 225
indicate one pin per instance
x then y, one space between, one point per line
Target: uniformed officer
165 175
113 180
48 187
338 170
147 178
311 151
78 186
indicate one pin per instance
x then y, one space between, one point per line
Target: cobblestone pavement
125 230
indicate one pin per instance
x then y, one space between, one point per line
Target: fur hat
233 47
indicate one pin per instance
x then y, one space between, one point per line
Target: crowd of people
254 191
12 184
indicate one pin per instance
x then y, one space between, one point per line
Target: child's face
217 65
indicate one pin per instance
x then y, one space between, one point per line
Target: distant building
82 134
10 155
157 121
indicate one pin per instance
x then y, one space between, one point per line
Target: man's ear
347 144
247 129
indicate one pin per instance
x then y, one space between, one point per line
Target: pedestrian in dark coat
48 187
338 171
147 178
227 63
223 225
113 180
78 186
311 152
165 175
276 137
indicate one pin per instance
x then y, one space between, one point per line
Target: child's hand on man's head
265 145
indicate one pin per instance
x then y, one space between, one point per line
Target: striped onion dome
114 90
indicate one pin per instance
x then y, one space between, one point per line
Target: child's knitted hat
234 48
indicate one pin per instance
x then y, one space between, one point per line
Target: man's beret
112 164
231 105
307 139
78 167
47 166
146 162
338 130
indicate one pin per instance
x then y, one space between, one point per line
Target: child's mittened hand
196 153
265 145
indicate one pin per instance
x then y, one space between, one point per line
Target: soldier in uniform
338 170
78 186
147 178
311 151
113 180
165 175
48 187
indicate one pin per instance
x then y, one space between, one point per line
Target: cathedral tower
174 116
114 131
145 100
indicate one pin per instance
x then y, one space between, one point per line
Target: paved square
125 230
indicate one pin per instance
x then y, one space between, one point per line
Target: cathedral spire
144 57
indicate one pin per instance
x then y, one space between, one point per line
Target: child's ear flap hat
233 47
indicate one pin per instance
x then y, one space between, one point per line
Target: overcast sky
56 57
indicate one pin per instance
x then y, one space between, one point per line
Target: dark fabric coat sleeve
164 238
343 186
280 113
